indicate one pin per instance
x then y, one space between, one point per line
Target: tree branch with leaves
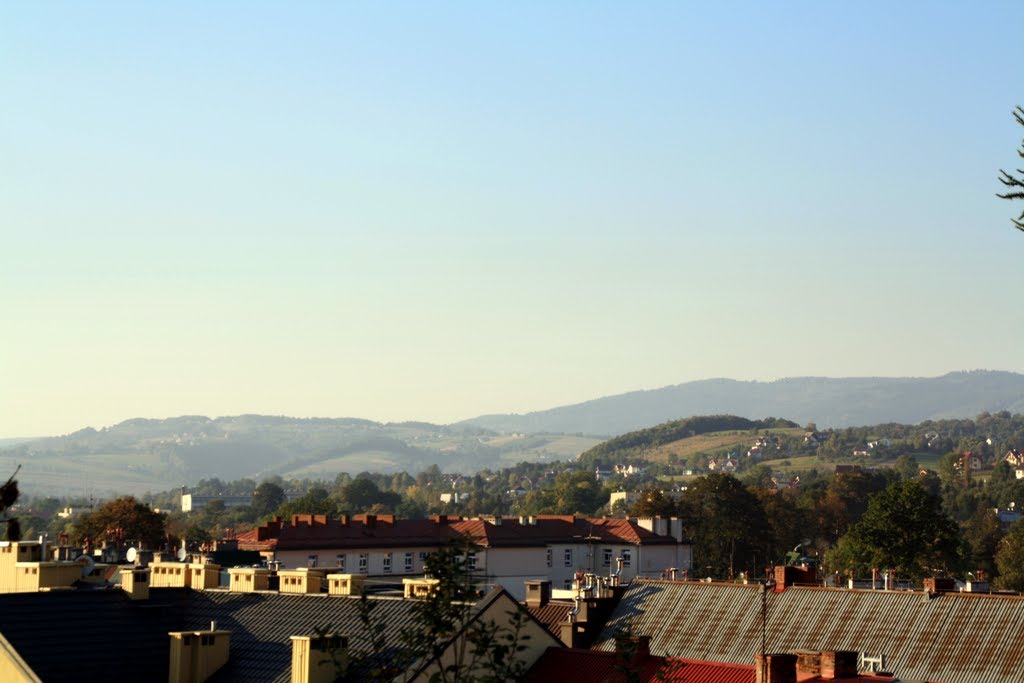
8 496
1015 183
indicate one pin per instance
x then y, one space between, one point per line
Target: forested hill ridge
141 454
691 443
633 444
829 402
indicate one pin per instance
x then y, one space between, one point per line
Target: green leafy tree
653 503
443 622
363 495
124 521
267 497
1015 182
726 522
904 529
1010 559
983 533
316 502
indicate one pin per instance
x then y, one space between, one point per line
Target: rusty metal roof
951 637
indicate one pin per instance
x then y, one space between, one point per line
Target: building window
549 557
387 563
568 557
364 561
626 558
423 555
471 561
567 584
408 563
606 559
339 562
311 561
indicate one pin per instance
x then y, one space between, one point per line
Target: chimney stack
838 664
538 593
318 659
775 668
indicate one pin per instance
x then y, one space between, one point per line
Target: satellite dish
87 564
182 553
132 554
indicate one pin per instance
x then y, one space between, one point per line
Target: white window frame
364 563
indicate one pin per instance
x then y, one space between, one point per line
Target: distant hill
140 455
826 401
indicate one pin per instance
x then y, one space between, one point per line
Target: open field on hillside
98 474
738 440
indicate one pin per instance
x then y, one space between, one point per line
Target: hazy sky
436 210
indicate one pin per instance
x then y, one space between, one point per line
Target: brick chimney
775 668
838 664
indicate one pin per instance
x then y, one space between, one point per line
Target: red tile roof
565 664
544 529
317 531
569 664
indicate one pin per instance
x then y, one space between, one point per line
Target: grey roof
104 636
951 637
92 635
262 624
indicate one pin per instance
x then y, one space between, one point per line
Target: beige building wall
197 655
13 668
378 561
498 612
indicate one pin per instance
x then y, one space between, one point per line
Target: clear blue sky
436 210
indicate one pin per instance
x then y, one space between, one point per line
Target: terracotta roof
950 637
545 529
370 531
360 531
564 664
552 615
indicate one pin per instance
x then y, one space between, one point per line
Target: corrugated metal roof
952 637
262 624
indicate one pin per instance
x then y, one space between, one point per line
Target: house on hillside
727 465
1014 457
969 462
